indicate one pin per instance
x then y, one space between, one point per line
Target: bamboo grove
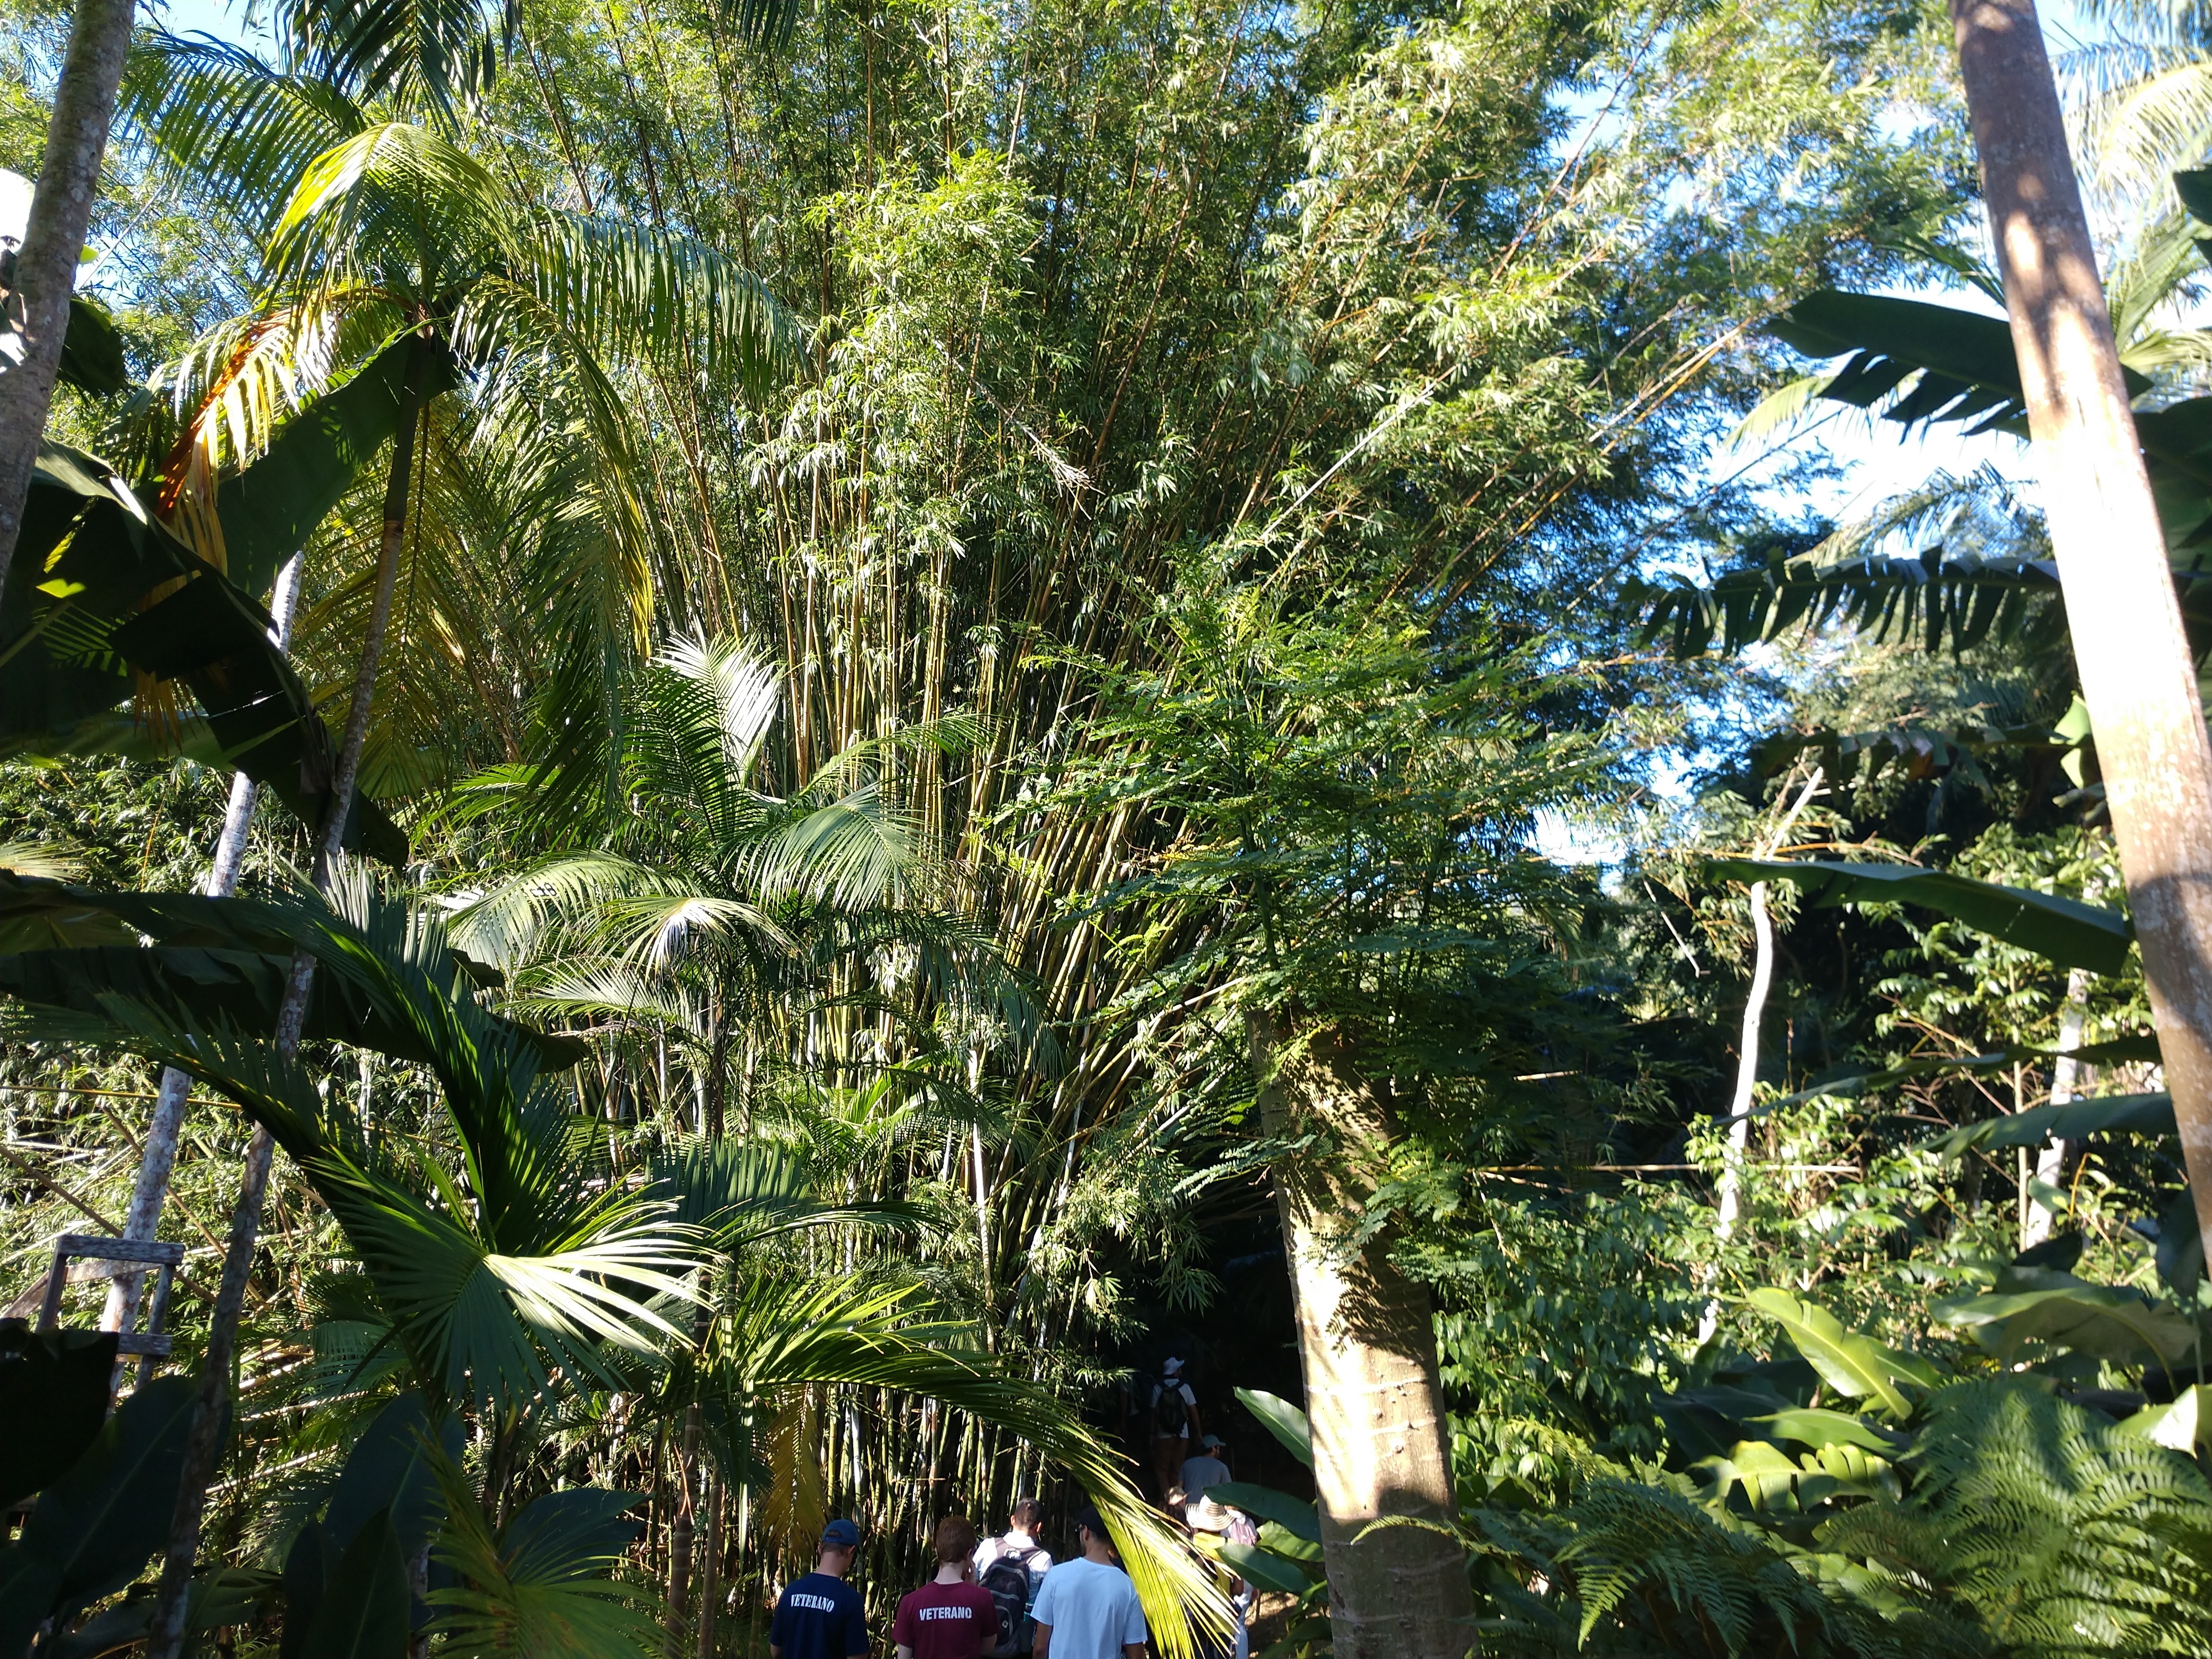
914 703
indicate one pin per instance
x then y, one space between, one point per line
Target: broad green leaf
2065 930
101 1522
27 1581
269 510
363 1611
2114 1322
1818 1427
1279 1538
1768 1476
140 600
1849 1081
1283 1420
1295 1515
1266 1569
389 1471
2141 1114
92 350
58 1380
2181 1425
1857 1366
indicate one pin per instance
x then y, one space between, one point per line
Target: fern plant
1641 1566
2059 1531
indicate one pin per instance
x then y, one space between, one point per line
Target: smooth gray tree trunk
36 313
144 1220
204 1444
2138 675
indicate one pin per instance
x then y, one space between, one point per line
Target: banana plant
106 599
100 1520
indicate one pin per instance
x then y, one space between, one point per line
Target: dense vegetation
978 693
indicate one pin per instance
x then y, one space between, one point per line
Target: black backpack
1006 1580
1168 1418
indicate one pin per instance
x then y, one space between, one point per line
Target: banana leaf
1283 1420
2110 1322
58 1380
1854 1364
1296 1515
269 510
2062 930
1848 1082
100 597
2141 1114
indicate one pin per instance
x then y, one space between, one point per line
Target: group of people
1003 1598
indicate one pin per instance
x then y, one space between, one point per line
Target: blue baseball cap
841 1534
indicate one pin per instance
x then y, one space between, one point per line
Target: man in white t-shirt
1019 1540
1088 1609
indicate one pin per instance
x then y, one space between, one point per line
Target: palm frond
550 1586
230 127
772 1335
438 55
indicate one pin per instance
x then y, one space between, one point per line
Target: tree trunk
152 1193
204 1444
680 1535
2065 1077
36 315
710 1566
2137 675
1754 1016
1367 1341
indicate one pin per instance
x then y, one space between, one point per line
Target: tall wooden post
2137 675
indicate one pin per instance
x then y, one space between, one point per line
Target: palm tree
503 1258
704 877
389 233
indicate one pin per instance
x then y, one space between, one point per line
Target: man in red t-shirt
950 1617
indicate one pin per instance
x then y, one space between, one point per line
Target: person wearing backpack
1011 1567
950 1617
1176 1428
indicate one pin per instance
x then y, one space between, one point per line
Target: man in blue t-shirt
820 1616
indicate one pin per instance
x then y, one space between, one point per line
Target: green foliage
87 608
95 1527
2059 1532
2071 934
1630 1567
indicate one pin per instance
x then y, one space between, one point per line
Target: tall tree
35 316
1340 806
2138 674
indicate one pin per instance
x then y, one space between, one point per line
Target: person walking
820 1616
1176 1428
951 1617
1088 1608
1011 1567
1206 1468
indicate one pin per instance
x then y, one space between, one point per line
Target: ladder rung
91 1246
